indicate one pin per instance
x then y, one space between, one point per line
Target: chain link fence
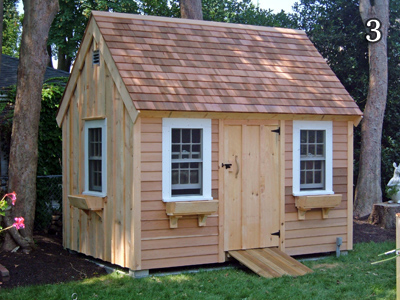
48 198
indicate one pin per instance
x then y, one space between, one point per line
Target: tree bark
33 60
368 189
191 9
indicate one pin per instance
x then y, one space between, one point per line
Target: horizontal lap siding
107 237
314 234
162 246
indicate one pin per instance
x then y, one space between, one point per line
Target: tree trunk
191 9
33 60
384 215
64 61
1 28
368 189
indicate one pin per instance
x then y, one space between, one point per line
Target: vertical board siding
107 237
162 246
314 234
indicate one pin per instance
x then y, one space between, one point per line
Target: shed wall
108 237
315 234
162 246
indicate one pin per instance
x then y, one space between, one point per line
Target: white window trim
167 125
312 125
103 125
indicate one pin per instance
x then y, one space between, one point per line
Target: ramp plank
270 262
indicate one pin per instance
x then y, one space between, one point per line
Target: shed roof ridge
195 22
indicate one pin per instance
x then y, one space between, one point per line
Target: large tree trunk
191 9
33 59
368 189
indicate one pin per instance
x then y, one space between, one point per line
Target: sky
275 5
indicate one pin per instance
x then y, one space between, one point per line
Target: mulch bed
50 263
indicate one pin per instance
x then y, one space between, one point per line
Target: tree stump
384 215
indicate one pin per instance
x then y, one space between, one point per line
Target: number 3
376 34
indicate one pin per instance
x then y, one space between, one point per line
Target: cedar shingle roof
186 65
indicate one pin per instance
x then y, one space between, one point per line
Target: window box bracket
88 203
202 209
325 202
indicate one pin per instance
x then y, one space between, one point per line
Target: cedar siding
161 245
316 235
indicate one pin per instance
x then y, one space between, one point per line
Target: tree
38 17
368 188
69 25
191 9
11 28
1 28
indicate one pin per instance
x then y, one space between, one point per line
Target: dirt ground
51 263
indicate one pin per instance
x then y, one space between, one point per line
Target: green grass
348 277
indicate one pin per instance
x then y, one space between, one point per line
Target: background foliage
49 148
336 29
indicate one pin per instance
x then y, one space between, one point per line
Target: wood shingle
182 65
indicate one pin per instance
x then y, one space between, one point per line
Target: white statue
394 184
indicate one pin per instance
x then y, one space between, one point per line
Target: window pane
303 150
309 177
320 150
303 136
194 176
184 177
196 135
176 135
185 135
311 136
95 159
175 177
312 146
320 136
302 177
318 176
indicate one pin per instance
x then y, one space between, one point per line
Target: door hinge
278 233
278 130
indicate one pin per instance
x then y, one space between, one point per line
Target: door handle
237 166
227 166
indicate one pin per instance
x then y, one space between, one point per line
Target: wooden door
251 184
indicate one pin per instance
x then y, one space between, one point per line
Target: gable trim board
243 80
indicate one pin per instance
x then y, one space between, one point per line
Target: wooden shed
185 140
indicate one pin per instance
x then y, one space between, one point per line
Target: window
186 159
95 157
312 157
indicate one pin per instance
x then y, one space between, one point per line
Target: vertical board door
251 185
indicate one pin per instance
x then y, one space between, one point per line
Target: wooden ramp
270 262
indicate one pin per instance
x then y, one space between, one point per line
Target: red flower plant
19 223
12 196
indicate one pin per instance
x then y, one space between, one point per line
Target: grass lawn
348 277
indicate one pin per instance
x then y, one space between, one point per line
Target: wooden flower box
325 202
202 209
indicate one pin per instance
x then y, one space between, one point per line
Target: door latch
278 233
227 166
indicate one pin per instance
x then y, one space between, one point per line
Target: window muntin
95 159
312 159
186 161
